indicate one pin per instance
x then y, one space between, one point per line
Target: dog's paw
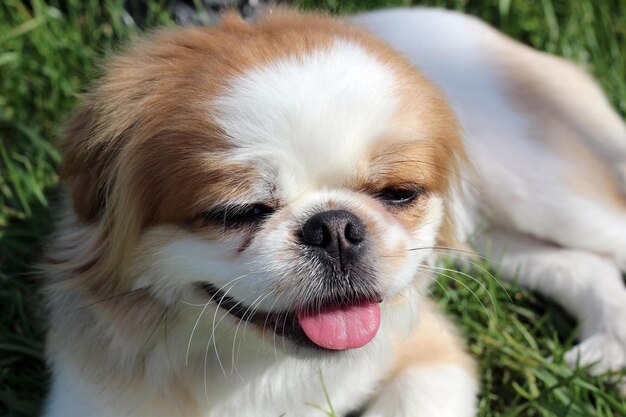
602 352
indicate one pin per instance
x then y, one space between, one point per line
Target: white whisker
193 330
483 286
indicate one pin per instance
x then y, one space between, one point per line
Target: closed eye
238 216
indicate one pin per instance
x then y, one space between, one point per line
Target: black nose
339 233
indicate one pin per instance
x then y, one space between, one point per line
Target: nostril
314 234
354 232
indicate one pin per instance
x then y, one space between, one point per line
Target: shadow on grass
23 375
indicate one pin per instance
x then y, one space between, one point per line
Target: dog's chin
284 328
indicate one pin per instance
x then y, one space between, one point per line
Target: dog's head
295 171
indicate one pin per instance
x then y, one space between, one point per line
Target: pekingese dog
249 207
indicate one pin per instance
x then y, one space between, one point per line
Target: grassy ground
49 52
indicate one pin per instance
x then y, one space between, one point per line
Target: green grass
49 52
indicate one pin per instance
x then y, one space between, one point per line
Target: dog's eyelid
248 213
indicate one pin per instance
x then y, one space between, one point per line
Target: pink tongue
342 327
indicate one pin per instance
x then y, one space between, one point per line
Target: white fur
310 119
243 377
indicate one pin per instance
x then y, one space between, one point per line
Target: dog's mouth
330 325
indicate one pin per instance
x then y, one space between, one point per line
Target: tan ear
83 166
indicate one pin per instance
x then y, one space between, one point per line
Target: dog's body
299 126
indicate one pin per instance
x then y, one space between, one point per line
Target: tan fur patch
434 341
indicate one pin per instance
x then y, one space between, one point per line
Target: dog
252 208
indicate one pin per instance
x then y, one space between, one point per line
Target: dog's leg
587 285
433 376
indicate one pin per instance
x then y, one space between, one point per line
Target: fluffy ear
84 165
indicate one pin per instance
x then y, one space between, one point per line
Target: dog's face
296 172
